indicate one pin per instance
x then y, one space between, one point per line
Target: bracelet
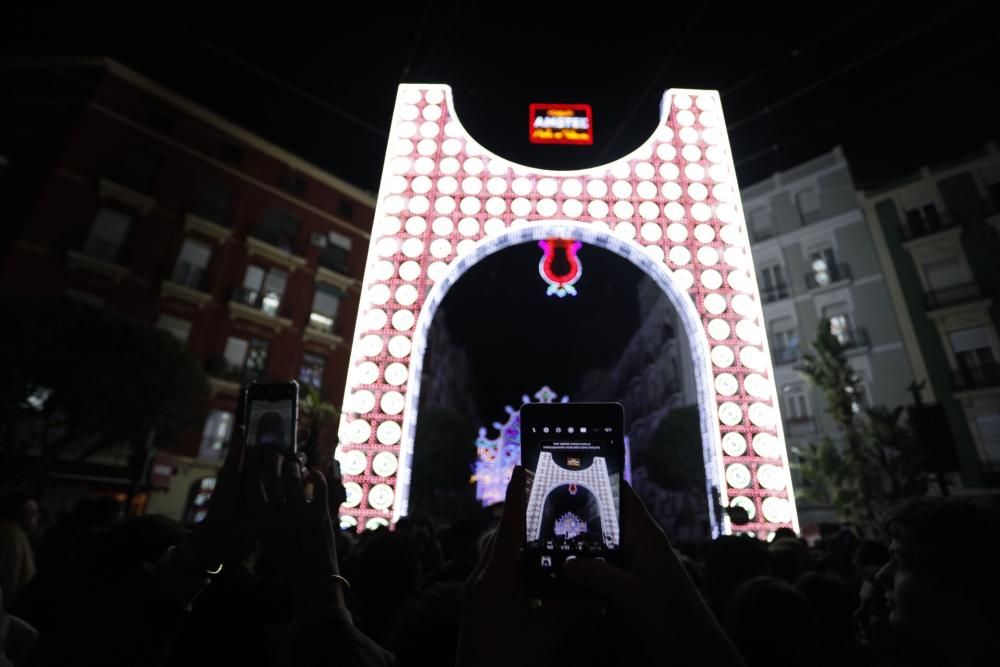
189 560
310 588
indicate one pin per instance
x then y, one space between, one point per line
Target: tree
315 416
881 462
78 379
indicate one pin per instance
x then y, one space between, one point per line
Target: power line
795 53
204 43
656 77
916 78
845 69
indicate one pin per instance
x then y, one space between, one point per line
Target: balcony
952 296
772 294
852 339
785 355
203 225
916 228
189 275
255 306
320 329
281 251
836 273
126 194
970 378
98 256
225 378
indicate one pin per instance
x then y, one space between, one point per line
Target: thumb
599 577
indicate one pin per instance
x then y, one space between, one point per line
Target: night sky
898 85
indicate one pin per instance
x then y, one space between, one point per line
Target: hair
17 565
953 540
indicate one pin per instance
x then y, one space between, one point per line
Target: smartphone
272 410
573 455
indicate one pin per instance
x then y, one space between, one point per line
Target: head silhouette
271 430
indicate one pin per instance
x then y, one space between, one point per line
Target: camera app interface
572 494
270 425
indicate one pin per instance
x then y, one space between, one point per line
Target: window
179 328
279 228
246 359
972 348
292 181
107 235
215 436
796 403
334 255
943 273
761 226
824 268
773 286
212 202
136 170
192 264
840 322
808 201
989 435
784 340
256 363
324 308
923 218
263 289
312 369
235 353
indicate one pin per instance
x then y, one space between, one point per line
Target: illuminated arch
549 476
671 207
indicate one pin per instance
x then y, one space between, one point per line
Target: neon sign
560 124
560 284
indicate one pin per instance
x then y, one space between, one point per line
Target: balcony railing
772 294
100 249
321 323
267 301
853 338
785 355
218 367
976 377
925 226
950 296
189 275
833 274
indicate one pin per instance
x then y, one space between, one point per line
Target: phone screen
573 455
271 416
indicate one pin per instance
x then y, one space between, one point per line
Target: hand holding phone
573 455
271 411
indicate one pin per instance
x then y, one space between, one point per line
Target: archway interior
497 336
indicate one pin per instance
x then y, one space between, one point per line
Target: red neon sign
561 124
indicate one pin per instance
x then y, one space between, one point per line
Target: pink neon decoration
561 284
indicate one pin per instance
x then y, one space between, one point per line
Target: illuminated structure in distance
671 207
496 457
